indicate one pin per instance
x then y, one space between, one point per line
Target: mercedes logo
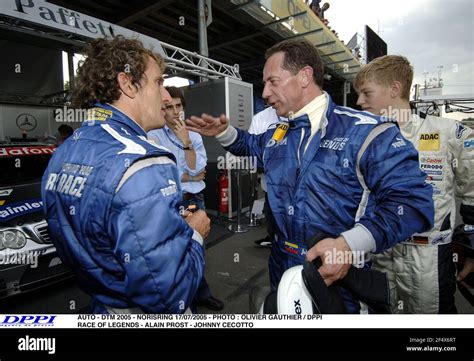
26 122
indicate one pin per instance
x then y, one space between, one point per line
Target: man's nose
266 92
165 96
360 100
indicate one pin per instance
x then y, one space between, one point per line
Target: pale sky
430 33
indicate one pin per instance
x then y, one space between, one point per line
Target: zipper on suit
299 147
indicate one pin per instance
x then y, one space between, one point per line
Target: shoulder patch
363 119
460 129
399 142
469 143
153 143
131 147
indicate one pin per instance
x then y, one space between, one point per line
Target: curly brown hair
96 79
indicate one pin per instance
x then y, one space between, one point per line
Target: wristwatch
189 147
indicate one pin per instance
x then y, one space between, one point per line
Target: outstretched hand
207 124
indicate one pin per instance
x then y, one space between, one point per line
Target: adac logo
27 320
429 142
429 136
280 131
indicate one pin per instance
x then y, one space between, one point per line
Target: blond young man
421 269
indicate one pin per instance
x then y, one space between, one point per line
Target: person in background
187 147
64 132
191 159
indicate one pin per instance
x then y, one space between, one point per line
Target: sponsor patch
469 143
98 114
71 181
273 142
400 142
20 208
429 142
460 129
432 160
12 151
291 247
365 120
431 166
172 189
434 172
280 131
334 144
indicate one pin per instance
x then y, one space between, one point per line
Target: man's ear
396 89
125 85
306 76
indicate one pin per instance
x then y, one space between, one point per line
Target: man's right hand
208 125
200 222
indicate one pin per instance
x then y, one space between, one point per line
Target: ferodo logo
429 142
13 151
431 166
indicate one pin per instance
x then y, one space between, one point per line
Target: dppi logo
28 320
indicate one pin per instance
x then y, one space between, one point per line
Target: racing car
28 259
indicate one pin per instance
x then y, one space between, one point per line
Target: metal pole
70 65
202 28
344 93
203 49
253 186
238 228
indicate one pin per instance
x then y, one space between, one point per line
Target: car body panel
36 263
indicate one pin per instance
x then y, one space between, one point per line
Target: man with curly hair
110 195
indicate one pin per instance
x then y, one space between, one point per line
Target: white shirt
263 120
166 138
260 123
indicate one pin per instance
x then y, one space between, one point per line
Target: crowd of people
378 182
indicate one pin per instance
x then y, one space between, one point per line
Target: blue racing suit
357 177
110 200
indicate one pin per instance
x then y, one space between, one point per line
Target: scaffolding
177 60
